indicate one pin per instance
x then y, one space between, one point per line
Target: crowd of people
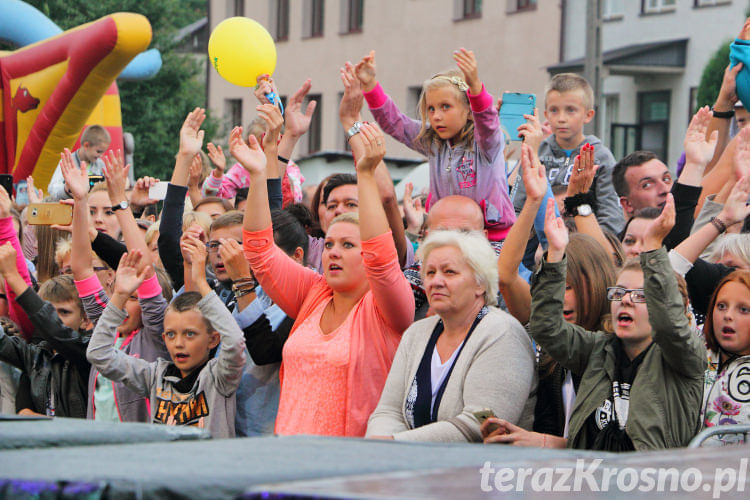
577 301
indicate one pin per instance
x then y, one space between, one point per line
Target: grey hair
735 244
477 252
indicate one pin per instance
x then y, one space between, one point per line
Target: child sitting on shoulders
193 388
463 140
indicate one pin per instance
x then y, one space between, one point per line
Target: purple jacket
477 173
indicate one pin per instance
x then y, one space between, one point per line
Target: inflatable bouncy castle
58 82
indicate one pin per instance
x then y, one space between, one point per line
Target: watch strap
573 202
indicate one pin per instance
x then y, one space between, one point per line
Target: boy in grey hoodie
568 105
193 388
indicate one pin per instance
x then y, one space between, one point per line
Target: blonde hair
63 248
452 79
99 186
152 232
200 218
95 135
569 82
257 127
351 217
477 253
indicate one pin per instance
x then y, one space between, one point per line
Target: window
653 117
352 16
612 9
280 19
233 111
341 143
519 5
313 18
610 114
656 6
412 101
235 8
710 3
315 133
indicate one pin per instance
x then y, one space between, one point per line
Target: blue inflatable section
22 25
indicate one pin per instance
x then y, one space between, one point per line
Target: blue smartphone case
515 105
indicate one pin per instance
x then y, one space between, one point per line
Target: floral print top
726 396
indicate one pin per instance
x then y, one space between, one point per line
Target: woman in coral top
348 322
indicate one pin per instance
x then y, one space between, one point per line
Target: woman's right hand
374 145
534 175
252 157
556 232
76 178
366 71
736 208
660 227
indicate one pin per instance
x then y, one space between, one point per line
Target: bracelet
573 202
718 224
282 159
243 291
722 114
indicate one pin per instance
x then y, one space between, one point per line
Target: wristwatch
354 130
123 205
584 210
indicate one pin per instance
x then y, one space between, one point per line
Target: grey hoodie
212 395
559 167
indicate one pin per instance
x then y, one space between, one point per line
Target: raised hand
698 150
196 250
233 256
139 196
35 195
531 131
351 102
191 135
728 92
194 174
413 210
534 175
298 121
374 145
274 121
742 153
216 155
76 178
116 174
736 208
584 170
660 227
250 157
265 85
467 63
8 263
130 273
366 71
556 232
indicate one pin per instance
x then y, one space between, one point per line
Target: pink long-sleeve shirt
8 234
376 324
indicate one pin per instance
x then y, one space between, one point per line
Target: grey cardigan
495 370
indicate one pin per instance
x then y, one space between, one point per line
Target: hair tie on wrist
718 224
281 158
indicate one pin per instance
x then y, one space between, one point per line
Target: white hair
477 252
735 244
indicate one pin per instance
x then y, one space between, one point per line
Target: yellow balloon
241 49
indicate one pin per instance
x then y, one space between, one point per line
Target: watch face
584 210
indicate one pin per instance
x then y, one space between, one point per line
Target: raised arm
297 121
724 103
581 180
9 236
514 288
681 348
568 344
285 281
77 180
191 141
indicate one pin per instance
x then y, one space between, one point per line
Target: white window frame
657 6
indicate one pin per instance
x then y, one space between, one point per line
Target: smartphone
45 214
95 179
483 415
515 105
158 191
6 180
22 192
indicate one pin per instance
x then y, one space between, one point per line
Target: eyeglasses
213 246
617 293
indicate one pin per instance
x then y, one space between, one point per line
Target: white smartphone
158 191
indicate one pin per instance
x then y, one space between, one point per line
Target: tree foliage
713 74
152 110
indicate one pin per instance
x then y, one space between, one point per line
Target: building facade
515 41
653 52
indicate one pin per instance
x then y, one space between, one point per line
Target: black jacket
57 367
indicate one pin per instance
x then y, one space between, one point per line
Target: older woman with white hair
468 357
